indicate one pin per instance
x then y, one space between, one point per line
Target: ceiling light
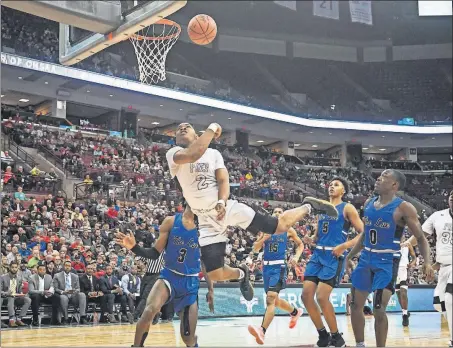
45 82
401 137
110 95
330 133
88 91
180 109
160 105
23 100
260 141
20 77
433 138
3 95
229 118
296 144
314 145
310 132
364 148
155 123
383 136
212 114
382 149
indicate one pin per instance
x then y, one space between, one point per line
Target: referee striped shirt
153 266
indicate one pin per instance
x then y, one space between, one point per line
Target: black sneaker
337 340
321 206
245 285
323 341
406 319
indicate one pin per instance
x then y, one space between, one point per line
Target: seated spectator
90 285
66 284
130 283
20 195
111 288
42 291
12 291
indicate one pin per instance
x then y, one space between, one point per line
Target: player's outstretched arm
258 245
292 234
128 241
353 217
411 218
195 150
357 247
413 256
428 229
210 284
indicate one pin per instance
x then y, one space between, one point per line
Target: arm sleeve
428 226
171 163
219 164
149 253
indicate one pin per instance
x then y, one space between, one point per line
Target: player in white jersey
204 181
401 280
440 224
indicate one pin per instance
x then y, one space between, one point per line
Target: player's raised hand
125 240
210 300
221 211
217 129
339 250
428 271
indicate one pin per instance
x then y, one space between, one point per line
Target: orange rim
163 21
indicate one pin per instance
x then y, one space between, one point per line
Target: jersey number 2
182 255
373 237
201 180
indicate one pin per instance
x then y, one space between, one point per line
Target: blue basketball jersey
381 231
275 247
333 231
182 253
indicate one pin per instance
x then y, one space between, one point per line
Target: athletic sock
449 308
294 312
334 333
323 332
360 344
241 274
264 329
404 311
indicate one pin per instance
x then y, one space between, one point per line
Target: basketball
202 29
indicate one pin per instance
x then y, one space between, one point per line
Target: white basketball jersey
404 261
441 223
198 180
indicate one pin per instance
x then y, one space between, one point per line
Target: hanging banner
327 9
361 11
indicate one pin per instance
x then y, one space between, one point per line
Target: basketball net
151 46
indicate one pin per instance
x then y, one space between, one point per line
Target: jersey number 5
182 255
325 227
373 237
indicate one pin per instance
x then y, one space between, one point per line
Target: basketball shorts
183 289
375 271
444 284
214 231
325 267
274 278
401 279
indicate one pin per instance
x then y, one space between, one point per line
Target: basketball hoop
151 47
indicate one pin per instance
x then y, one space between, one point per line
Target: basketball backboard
77 44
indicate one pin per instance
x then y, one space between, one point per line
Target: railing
15 149
52 158
31 184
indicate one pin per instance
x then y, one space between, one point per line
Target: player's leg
158 296
294 312
401 293
449 303
259 332
188 326
323 296
381 326
358 299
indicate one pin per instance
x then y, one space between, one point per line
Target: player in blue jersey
385 217
274 276
179 281
325 269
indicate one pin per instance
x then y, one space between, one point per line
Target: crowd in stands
329 96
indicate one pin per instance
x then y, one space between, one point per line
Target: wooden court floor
426 330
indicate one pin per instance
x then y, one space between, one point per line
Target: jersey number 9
182 255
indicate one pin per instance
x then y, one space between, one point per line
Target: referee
153 268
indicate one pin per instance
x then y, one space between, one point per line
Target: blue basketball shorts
183 289
274 277
325 267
